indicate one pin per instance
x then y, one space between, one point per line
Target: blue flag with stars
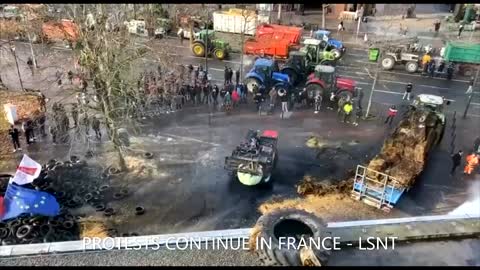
19 200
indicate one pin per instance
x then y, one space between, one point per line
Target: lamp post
12 48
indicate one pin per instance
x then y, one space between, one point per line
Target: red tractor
324 81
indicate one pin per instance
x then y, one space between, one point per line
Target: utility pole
323 16
471 94
373 86
360 15
206 44
279 16
12 48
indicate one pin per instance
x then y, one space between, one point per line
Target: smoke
472 205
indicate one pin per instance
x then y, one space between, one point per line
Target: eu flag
19 200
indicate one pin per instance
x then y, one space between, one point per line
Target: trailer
238 21
465 55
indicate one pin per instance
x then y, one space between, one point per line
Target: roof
323 32
311 41
324 69
432 99
263 62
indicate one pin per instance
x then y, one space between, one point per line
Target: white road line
398 93
398 73
422 85
356 54
188 139
354 77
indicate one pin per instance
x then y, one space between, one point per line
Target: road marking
189 139
398 73
365 62
210 59
356 54
423 85
401 93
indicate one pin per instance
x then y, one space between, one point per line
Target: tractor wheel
336 53
388 62
292 74
291 224
411 67
198 49
250 82
313 89
345 94
219 54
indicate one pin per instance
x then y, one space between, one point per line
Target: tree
106 58
248 24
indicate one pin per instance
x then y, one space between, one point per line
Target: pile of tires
74 184
289 223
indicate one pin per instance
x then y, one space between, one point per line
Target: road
193 191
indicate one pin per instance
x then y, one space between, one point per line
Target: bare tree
248 24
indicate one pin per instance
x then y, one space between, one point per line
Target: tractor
264 75
301 63
333 45
324 81
219 48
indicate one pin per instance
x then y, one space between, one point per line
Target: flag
19 200
27 171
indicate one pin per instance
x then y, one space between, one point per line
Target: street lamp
12 48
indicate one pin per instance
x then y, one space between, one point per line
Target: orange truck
279 32
274 40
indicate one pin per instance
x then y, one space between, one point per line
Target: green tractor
219 48
303 62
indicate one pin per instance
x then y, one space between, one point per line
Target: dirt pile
312 186
404 153
330 207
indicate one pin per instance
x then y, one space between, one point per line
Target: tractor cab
316 52
265 74
205 35
326 74
329 43
431 102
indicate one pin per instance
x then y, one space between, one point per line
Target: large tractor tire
411 67
292 74
220 54
198 49
250 82
345 94
313 89
336 53
289 224
388 62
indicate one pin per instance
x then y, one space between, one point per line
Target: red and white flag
27 171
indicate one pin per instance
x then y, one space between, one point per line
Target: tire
282 223
220 54
388 62
314 88
344 94
139 210
336 53
411 67
23 231
292 74
249 82
148 155
198 49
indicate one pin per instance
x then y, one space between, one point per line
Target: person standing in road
332 102
476 145
27 131
215 95
58 75
431 68
340 27
284 99
273 97
237 76
96 128
456 160
408 91
15 134
460 30
180 35
74 112
230 76
392 112
70 76
54 133
347 111
318 102
30 64
470 86
358 115
225 75
360 98
86 123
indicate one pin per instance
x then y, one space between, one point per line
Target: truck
465 55
238 21
276 32
254 159
404 154
264 75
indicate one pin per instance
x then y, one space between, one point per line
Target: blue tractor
333 45
264 75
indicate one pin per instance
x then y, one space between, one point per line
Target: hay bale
92 227
404 153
